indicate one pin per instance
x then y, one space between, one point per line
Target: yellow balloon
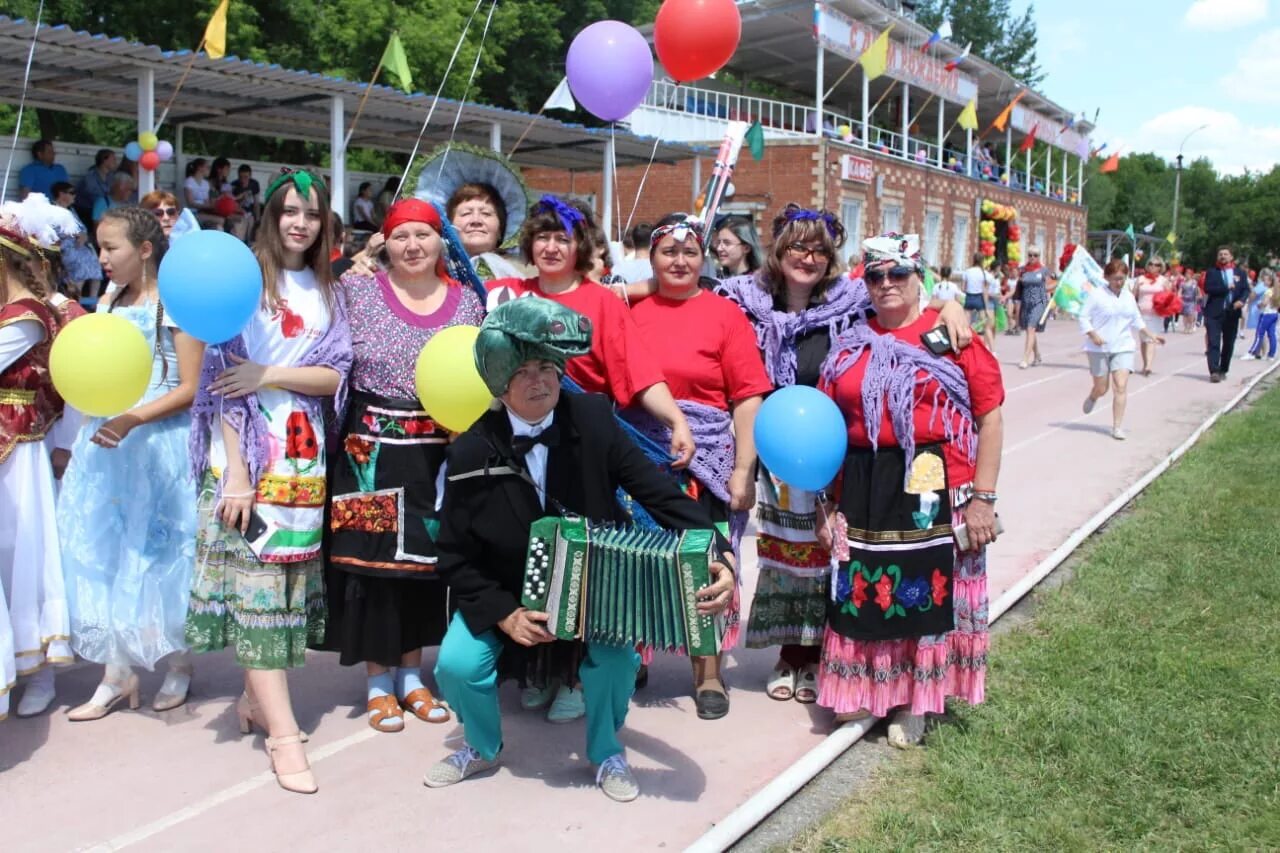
100 364
148 141
448 384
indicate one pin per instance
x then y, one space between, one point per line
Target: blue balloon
133 151
801 438
210 284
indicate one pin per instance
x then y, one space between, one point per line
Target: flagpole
882 97
360 109
528 128
181 80
928 101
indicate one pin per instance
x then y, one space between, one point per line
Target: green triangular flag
755 141
1128 232
928 281
395 62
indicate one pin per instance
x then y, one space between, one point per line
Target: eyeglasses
726 243
801 252
162 212
875 278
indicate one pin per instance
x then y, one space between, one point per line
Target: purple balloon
610 69
164 149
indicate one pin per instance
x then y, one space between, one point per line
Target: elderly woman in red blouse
907 617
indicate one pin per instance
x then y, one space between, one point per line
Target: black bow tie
549 437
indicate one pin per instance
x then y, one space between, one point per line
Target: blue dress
127 522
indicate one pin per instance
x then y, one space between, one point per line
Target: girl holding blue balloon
126 514
270 393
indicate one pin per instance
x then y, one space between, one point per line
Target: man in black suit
542 452
1226 290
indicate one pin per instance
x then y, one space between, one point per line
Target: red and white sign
858 169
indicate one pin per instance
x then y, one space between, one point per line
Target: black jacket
487 511
1222 294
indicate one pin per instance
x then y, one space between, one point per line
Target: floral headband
681 230
568 215
795 213
300 178
892 249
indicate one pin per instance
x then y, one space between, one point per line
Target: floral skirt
919 673
268 612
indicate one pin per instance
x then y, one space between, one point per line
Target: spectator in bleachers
199 195
96 183
42 172
247 193
130 168
121 193
234 220
81 270
362 212
386 198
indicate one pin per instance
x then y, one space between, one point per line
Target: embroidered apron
897 582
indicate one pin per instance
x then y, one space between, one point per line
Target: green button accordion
622 585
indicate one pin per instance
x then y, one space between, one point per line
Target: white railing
705 110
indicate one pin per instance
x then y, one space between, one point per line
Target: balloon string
436 100
474 67
613 173
22 102
640 189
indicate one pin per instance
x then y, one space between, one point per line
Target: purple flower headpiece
795 213
568 215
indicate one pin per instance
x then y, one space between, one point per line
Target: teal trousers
467 672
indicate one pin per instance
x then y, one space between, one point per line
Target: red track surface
186 780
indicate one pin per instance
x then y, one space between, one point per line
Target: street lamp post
1177 176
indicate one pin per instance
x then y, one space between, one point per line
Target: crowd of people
286 491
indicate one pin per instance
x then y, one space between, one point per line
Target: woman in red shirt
715 372
907 621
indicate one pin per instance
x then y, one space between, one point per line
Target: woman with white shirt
199 195
1107 319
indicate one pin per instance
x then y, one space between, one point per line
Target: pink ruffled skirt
919 673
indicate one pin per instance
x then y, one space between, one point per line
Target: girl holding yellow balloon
126 513
34 629
385 601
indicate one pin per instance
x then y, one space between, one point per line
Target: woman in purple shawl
709 358
268 400
798 303
907 613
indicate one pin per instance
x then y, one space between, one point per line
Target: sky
1159 69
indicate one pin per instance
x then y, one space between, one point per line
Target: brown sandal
421 704
385 714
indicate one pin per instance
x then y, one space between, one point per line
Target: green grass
1141 708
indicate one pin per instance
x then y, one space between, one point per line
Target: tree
1007 42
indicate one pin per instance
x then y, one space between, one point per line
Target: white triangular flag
944 31
561 98
1148 228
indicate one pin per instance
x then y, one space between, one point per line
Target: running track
186 780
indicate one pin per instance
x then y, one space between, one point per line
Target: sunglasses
162 212
876 277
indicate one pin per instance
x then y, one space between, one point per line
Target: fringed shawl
893 374
845 302
332 350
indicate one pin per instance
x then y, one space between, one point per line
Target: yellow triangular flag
1003 118
875 59
969 115
1172 239
394 60
215 34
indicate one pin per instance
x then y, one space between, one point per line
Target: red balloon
695 38
149 160
225 206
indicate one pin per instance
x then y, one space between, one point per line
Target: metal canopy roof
778 47
96 74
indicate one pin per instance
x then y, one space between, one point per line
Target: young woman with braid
128 562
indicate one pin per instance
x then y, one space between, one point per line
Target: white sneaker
616 779
906 729
452 770
1118 434
1248 357
1089 403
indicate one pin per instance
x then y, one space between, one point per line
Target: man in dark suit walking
1226 290
541 452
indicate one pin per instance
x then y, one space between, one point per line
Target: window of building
960 242
891 218
932 249
851 218
1060 240
1038 242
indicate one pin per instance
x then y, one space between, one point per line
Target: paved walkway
186 780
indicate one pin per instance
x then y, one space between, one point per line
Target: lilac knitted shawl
776 331
332 350
714 456
892 377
